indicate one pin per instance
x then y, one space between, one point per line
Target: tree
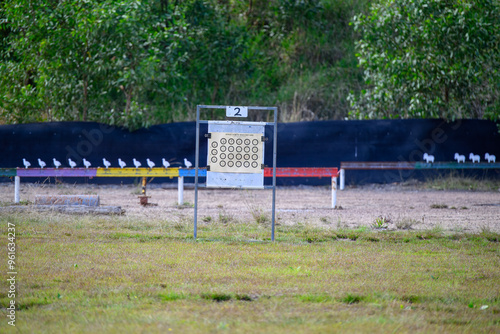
139 51
85 60
136 63
429 59
218 53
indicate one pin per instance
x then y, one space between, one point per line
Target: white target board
235 154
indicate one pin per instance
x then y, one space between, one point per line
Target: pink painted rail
55 172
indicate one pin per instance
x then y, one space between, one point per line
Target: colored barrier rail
302 172
180 173
377 165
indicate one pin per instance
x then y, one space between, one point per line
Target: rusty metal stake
144 185
143 199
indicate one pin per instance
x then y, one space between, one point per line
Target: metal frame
197 153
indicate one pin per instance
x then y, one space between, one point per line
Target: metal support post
180 190
17 185
275 147
342 179
334 192
196 166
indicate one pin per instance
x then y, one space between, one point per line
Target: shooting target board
235 154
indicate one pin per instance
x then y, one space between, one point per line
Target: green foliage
429 59
134 64
76 60
219 55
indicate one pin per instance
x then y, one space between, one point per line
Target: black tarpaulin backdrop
307 144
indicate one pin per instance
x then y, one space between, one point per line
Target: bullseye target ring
235 152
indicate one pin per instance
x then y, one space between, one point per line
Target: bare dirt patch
394 207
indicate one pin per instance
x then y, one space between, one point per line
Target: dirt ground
397 207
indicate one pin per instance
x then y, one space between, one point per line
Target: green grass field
114 274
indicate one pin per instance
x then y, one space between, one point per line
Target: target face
235 152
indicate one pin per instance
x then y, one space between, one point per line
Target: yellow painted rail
137 172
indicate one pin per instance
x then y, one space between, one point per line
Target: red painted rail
302 172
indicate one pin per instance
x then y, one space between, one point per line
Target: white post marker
342 179
180 190
17 185
334 192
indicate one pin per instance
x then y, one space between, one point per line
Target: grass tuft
350 235
439 206
171 296
314 298
243 297
313 235
489 235
185 205
406 223
352 299
380 223
260 217
412 299
216 296
225 218
455 181
137 236
371 238
182 227
28 303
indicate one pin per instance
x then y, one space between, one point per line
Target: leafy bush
429 59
